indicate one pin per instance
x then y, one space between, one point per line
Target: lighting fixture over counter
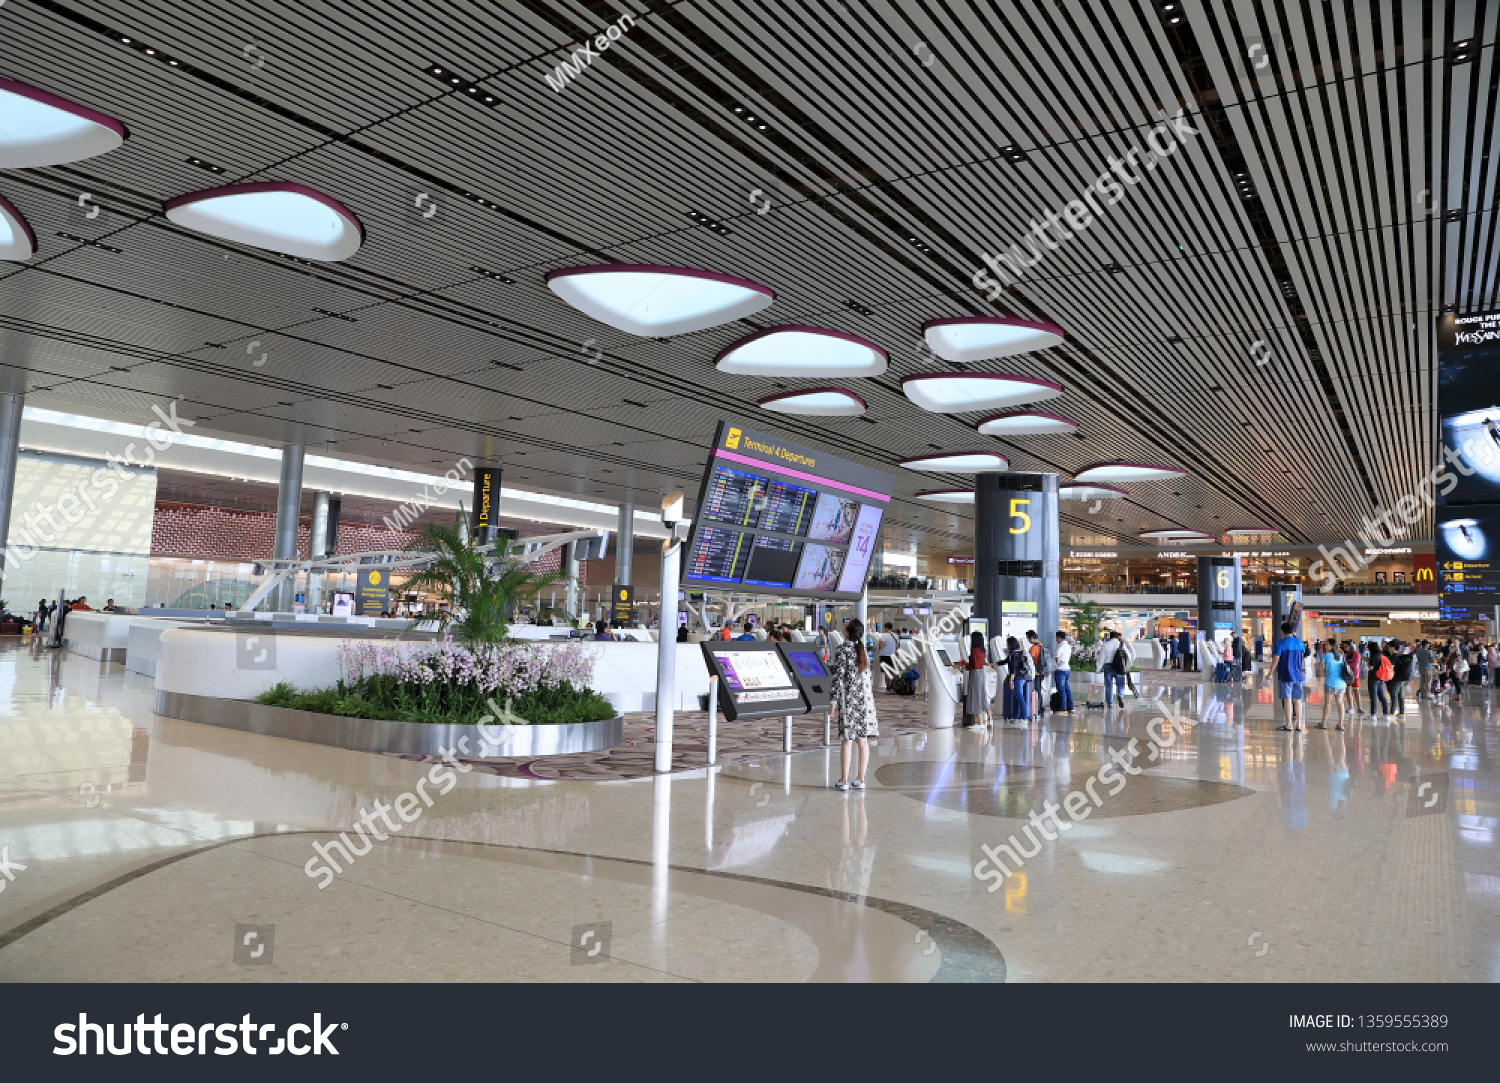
961 393
38 128
958 462
797 350
816 402
279 216
966 339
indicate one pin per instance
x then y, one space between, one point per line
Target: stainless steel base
380 735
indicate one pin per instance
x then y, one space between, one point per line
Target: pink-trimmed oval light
1027 423
947 496
967 392
1248 531
1126 472
279 216
802 351
17 241
816 402
1176 535
958 462
966 339
1090 492
38 128
655 302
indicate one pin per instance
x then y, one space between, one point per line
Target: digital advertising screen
780 518
1468 555
807 664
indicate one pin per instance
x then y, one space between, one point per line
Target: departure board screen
773 561
789 508
719 556
734 497
779 518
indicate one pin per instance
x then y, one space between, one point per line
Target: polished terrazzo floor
157 850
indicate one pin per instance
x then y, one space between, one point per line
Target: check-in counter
145 637
105 636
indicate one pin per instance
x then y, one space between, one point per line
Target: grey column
10 449
1283 597
288 514
625 545
1016 553
317 547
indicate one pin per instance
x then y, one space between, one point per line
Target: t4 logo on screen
732 441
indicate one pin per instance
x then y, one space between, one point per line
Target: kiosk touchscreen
755 681
812 675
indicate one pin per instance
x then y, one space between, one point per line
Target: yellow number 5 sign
1016 513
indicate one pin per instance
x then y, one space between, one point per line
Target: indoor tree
481 587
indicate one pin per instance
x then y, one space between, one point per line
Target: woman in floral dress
853 703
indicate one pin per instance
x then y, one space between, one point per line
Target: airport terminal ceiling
1258 311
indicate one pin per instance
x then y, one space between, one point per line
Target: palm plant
1088 617
481 588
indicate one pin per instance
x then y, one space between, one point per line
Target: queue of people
1385 671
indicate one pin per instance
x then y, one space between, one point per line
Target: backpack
1384 671
1117 660
1040 663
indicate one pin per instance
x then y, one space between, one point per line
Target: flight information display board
1468 555
780 518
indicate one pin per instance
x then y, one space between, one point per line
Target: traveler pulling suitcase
1221 673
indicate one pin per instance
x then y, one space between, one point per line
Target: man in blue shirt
1289 675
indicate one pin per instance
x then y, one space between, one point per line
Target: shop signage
372 592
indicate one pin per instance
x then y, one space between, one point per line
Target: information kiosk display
811 673
755 680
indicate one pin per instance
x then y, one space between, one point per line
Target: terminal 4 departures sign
775 517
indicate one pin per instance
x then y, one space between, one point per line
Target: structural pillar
317 546
1283 597
10 449
666 652
1016 555
571 602
1220 606
625 545
288 515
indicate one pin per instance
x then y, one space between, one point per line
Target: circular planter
383 735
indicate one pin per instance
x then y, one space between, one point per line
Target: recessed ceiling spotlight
336 315
855 306
496 275
1012 153
17 241
43 129
280 216
1453 216
84 240
1114 268
201 164
655 301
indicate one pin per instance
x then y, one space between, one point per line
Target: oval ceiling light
275 215
1118 472
38 128
958 462
1090 492
1027 423
816 402
947 496
964 392
796 350
17 242
656 302
1176 535
1237 531
966 339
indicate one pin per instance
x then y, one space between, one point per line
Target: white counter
104 636
200 662
145 636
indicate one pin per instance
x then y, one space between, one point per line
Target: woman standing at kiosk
853 702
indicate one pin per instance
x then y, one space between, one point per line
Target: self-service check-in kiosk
760 680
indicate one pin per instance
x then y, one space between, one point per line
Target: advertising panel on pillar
486 501
778 518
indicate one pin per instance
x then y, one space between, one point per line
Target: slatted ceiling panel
660 95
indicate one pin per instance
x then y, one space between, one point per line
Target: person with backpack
1039 664
1289 678
1114 662
1334 684
1019 672
1374 683
1401 663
